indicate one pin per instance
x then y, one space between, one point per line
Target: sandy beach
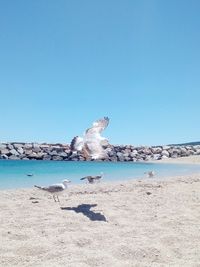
133 223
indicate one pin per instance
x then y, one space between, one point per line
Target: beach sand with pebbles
132 223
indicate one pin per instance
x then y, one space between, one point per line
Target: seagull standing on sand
150 174
91 144
55 189
92 179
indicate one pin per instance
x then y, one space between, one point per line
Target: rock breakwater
35 151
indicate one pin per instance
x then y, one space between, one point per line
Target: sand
136 223
187 160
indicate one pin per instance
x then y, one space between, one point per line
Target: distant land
187 144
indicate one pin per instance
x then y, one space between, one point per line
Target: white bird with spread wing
91 144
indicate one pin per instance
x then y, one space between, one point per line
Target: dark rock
57 158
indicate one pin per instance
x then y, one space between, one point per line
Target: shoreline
143 222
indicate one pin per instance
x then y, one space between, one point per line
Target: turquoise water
13 173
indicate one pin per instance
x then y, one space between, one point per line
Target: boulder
14 157
20 150
16 146
9 146
156 150
63 154
3 146
28 152
36 149
57 158
28 146
166 147
165 153
46 157
3 156
14 152
5 151
164 157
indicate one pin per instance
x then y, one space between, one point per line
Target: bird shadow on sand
85 210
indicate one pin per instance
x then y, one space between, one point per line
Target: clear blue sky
64 64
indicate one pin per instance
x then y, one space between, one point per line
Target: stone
164 157
63 154
165 153
28 146
3 146
133 153
121 158
9 146
147 151
114 159
35 145
36 149
16 146
46 157
156 150
148 157
197 152
174 156
5 151
28 152
14 152
165 147
3 156
57 158
75 159
20 150
53 153
33 155
119 154
14 157
58 149
44 146
156 156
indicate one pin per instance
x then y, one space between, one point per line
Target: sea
14 174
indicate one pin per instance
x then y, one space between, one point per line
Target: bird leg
56 198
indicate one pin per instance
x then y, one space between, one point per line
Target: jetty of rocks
35 151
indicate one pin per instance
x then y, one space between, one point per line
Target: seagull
55 189
91 144
92 179
150 174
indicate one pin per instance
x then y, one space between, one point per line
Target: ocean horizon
13 173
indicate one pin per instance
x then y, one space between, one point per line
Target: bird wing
86 177
98 126
76 143
55 188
